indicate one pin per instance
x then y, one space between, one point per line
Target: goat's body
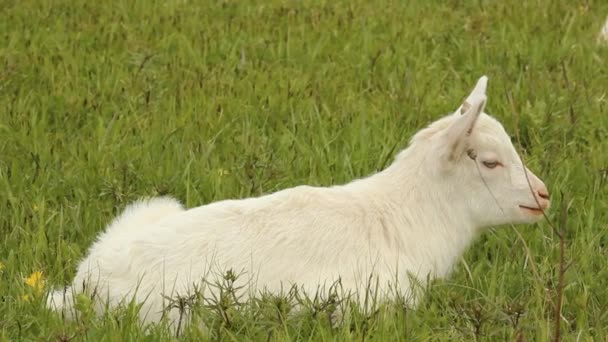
307 236
413 219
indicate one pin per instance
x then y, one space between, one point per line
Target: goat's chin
518 215
531 220
530 215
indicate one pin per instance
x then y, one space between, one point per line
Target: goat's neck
423 214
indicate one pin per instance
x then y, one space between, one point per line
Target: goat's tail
137 215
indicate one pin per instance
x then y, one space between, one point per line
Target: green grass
103 103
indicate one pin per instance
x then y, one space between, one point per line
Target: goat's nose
543 193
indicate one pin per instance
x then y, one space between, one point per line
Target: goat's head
480 166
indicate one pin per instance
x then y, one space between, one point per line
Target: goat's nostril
543 194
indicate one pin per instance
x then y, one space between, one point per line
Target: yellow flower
35 281
223 172
26 298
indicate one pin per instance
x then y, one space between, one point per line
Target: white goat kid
415 218
603 36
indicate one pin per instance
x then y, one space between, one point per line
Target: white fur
603 36
415 217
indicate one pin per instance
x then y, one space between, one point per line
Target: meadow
102 103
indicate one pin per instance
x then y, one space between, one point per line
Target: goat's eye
491 164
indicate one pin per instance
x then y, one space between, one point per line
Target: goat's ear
478 91
456 136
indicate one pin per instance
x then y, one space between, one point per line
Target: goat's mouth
532 210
